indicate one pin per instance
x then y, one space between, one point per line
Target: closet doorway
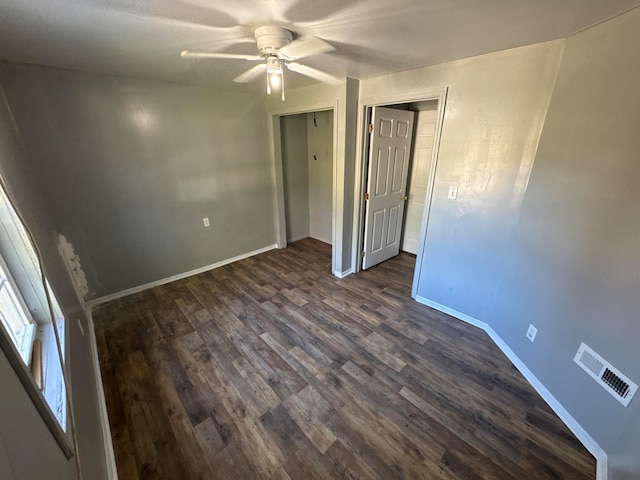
307 147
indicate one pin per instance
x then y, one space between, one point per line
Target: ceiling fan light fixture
274 65
275 74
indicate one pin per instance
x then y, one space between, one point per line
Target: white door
389 151
420 169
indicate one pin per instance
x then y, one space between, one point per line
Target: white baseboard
110 459
343 274
130 291
322 239
295 239
573 425
454 313
315 237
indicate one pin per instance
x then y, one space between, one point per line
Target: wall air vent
614 381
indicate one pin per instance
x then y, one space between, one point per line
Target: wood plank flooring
271 368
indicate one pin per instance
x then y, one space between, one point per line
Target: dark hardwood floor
271 368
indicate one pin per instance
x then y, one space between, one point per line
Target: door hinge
366 196
371 128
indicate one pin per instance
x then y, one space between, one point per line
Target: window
15 317
26 329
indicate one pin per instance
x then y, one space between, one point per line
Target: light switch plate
453 192
532 332
205 221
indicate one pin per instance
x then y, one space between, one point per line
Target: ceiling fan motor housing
271 39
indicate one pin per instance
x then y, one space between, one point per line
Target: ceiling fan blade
305 47
232 56
314 73
251 74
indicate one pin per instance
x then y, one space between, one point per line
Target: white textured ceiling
143 39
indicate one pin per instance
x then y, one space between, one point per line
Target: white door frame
439 94
275 140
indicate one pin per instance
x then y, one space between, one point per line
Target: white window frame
10 297
22 278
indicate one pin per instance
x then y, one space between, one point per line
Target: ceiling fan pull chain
282 82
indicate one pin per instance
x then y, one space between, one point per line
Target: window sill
53 381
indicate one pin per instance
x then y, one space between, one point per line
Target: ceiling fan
277 50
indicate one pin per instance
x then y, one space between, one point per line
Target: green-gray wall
22 430
542 142
131 167
572 266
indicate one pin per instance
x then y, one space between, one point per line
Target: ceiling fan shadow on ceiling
277 50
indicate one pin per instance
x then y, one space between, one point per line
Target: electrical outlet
453 192
205 221
532 332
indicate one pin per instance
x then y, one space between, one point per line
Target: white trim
426 211
343 274
317 237
299 237
109 455
454 313
573 425
113 296
321 239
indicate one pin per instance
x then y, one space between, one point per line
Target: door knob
403 197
